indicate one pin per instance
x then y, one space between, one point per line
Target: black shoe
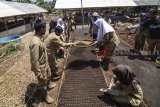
133 50
105 64
153 58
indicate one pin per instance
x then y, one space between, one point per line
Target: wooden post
63 12
82 14
6 26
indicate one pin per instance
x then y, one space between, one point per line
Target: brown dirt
16 78
127 36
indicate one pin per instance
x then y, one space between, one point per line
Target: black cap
59 29
39 24
65 18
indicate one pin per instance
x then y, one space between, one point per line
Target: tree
39 2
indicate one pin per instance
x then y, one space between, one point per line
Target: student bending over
124 88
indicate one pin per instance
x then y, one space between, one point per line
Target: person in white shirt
107 40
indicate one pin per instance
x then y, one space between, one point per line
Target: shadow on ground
34 95
93 51
105 99
81 64
139 57
158 67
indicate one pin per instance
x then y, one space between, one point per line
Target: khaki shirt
54 42
128 90
38 56
135 96
110 38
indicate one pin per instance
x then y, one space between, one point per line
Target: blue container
10 39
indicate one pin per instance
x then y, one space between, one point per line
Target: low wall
16 31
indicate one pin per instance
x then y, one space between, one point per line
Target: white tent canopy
70 4
147 2
8 9
25 7
107 3
66 4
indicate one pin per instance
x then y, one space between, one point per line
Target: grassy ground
10 49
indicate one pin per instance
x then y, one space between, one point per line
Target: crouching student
39 59
54 43
125 89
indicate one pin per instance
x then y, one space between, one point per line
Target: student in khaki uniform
53 43
107 40
53 25
73 23
68 29
39 59
125 89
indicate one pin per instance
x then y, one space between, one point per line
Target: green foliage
47 6
10 48
39 2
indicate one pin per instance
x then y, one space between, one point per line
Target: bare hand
105 90
75 43
94 43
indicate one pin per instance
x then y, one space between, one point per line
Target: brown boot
52 85
49 99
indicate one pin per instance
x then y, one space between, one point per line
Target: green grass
10 49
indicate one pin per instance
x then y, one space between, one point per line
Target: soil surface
17 81
83 79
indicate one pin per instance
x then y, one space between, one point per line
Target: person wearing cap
39 59
151 29
53 44
61 23
93 26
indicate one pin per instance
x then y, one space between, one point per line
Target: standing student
39 59
107 40
93 26
152 29
53 43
